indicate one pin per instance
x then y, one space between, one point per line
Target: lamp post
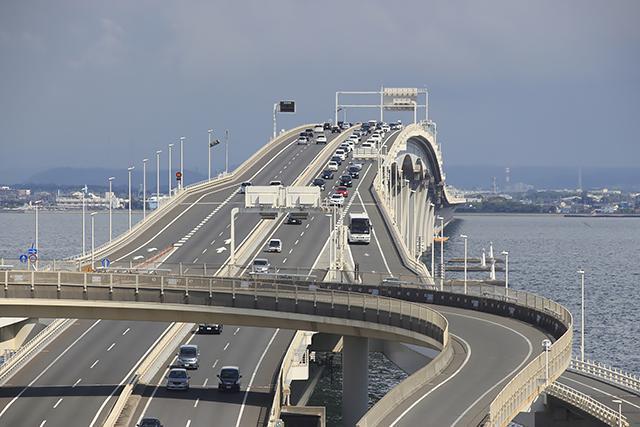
619 402
182 138
506 272
144 188
84 191
210 131
581 273
158 178
170 150
37 244
226 151
111 178
93 246
546 346
464 236
441 252
129 171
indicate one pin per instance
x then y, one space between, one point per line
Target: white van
318 129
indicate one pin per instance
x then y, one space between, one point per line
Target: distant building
91 201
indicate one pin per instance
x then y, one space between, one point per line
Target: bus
359 228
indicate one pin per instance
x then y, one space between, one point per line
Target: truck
359 228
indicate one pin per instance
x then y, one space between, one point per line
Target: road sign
32 250
287 107
23 258
105 262
33 257
178 176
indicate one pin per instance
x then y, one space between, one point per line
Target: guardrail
607 374
24 354
587 404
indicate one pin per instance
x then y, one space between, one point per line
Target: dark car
327 174
335 129
354 171
337 159
229 378
327 126
293 220
207 328
149 422
308 133
346 180
318 182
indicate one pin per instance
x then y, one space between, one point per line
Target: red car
342 190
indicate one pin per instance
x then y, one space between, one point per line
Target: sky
511 83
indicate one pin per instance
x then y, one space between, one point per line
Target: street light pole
506 272
182 138
232 246
84 191
111 178
170 150
441 218
93 246
275 110
619 402
581 272
37 234
144 188
210 131
226 151
158 178
464 236
546 345
129 170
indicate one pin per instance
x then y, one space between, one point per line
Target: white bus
359 228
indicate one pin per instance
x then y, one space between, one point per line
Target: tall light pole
111 178
210 131
170 150
226 151
144 188
84 192
441 252
464 236
182 138
93 246
619 402
581 273
158 178
506 272
37 244
546 345
129 170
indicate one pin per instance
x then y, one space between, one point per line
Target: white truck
359 228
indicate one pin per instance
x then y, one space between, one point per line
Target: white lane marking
228 225
236 332
598 390
284 261
413 405
204 251
212 242
307 226
206 380
94 363
246 393
6 408
195 260
111 346
57 403
302 234
226 347
227 241
221 249
124 333
214 364
290 250
155 389
188 423
76 383
296 242
195 405
220 233
43 423
516 369
152 249
137 257
185 270
375 237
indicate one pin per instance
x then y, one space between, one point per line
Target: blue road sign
23 258
105 262
32 250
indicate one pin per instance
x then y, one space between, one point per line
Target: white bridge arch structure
412 191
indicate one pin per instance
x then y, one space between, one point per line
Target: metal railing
587 404
607 374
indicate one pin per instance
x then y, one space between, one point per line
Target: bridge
182 252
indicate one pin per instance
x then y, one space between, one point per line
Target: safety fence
588 404
607 374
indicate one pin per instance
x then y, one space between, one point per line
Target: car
260 265
229 378
243 186
367 145
321 139
178 379
293 219
327 174
356 166
149 422
393 281
302 140
346 180
327 125
355 137
337 159
274 245
386 128
318 129
275 182
336 200
210 328
335 129
319 182
342 190
346 125
188 356
341 153
333 165
346 147
353 171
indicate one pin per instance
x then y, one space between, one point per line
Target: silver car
261 265
178 379
188 356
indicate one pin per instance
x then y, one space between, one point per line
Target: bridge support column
355 379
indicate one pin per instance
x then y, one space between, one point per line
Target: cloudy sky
513 83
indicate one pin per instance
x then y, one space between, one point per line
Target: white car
367 144
346 147
321 139
386 128
341 153
318 129
332 166
274 245
303 140
261 265
336 200
355 137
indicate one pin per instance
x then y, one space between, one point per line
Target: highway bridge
490 354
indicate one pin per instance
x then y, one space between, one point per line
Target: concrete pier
355 379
